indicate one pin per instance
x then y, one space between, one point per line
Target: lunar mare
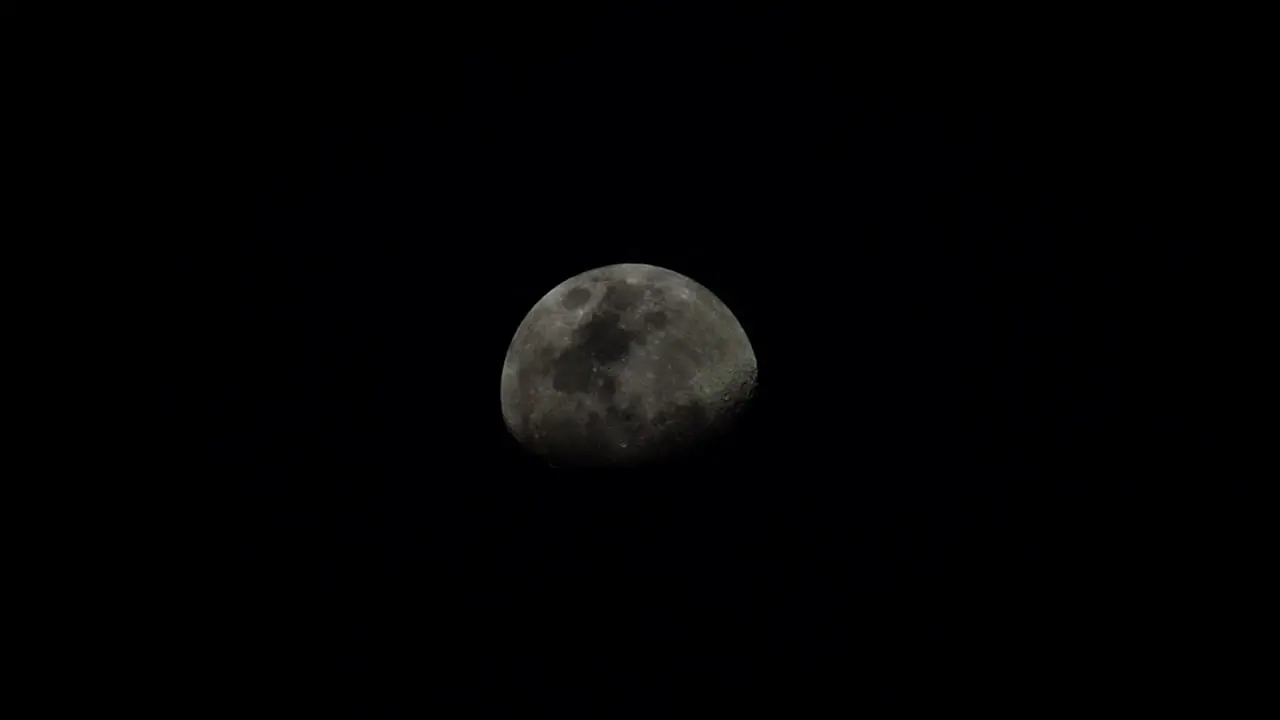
624 364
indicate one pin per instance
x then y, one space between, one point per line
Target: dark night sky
949 478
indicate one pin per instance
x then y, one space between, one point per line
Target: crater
572 370
621 296
575 298
601 341
604 339
655 319
608 388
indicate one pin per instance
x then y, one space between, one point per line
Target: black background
977 406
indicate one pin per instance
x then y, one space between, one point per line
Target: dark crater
621 296
655 319
575 298
599 341
608 388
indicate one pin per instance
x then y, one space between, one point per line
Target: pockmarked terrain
624 365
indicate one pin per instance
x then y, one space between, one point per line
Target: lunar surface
625 365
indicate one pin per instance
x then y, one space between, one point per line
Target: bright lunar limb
624 365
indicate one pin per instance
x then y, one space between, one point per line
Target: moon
625 365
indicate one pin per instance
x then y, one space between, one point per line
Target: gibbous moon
624 365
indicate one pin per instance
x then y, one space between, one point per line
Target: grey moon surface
623 365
